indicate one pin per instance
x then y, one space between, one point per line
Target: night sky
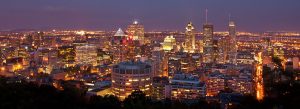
156 15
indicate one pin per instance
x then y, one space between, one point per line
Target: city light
2 68
94 55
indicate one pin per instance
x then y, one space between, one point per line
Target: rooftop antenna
229 17
206 11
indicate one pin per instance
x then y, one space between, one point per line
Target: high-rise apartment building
130 76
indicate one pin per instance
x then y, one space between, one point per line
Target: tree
105 102
137 100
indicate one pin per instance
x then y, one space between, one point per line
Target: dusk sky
155 15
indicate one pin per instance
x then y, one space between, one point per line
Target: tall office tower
157 64
223 47
130 76
216 53
232 52
208 43
136 32
190 38
117 46
119 35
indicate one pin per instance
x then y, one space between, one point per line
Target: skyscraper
232 43
136 32
119 35
208 43
118 46
208 32
190 38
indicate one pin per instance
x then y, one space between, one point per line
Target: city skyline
133 54
252 16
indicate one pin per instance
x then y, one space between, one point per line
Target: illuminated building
186 87
185 65
295 62
169 43
215 83
15 64
118 36
158 88
245 57
86 54
118 46
268 45
232 43
104 57
196 60
189 45
46 59
216 52
182 61
278 52
200 46
157 64
145 50
174 65
134 43
222 68
22 51
36 39
208 43
243 83
136 32
221 51
66 54
130 76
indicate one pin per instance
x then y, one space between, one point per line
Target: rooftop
119 32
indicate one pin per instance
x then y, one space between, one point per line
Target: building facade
186 87
189 45
136 32
130 76
208 43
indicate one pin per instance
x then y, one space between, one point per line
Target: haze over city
250 15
